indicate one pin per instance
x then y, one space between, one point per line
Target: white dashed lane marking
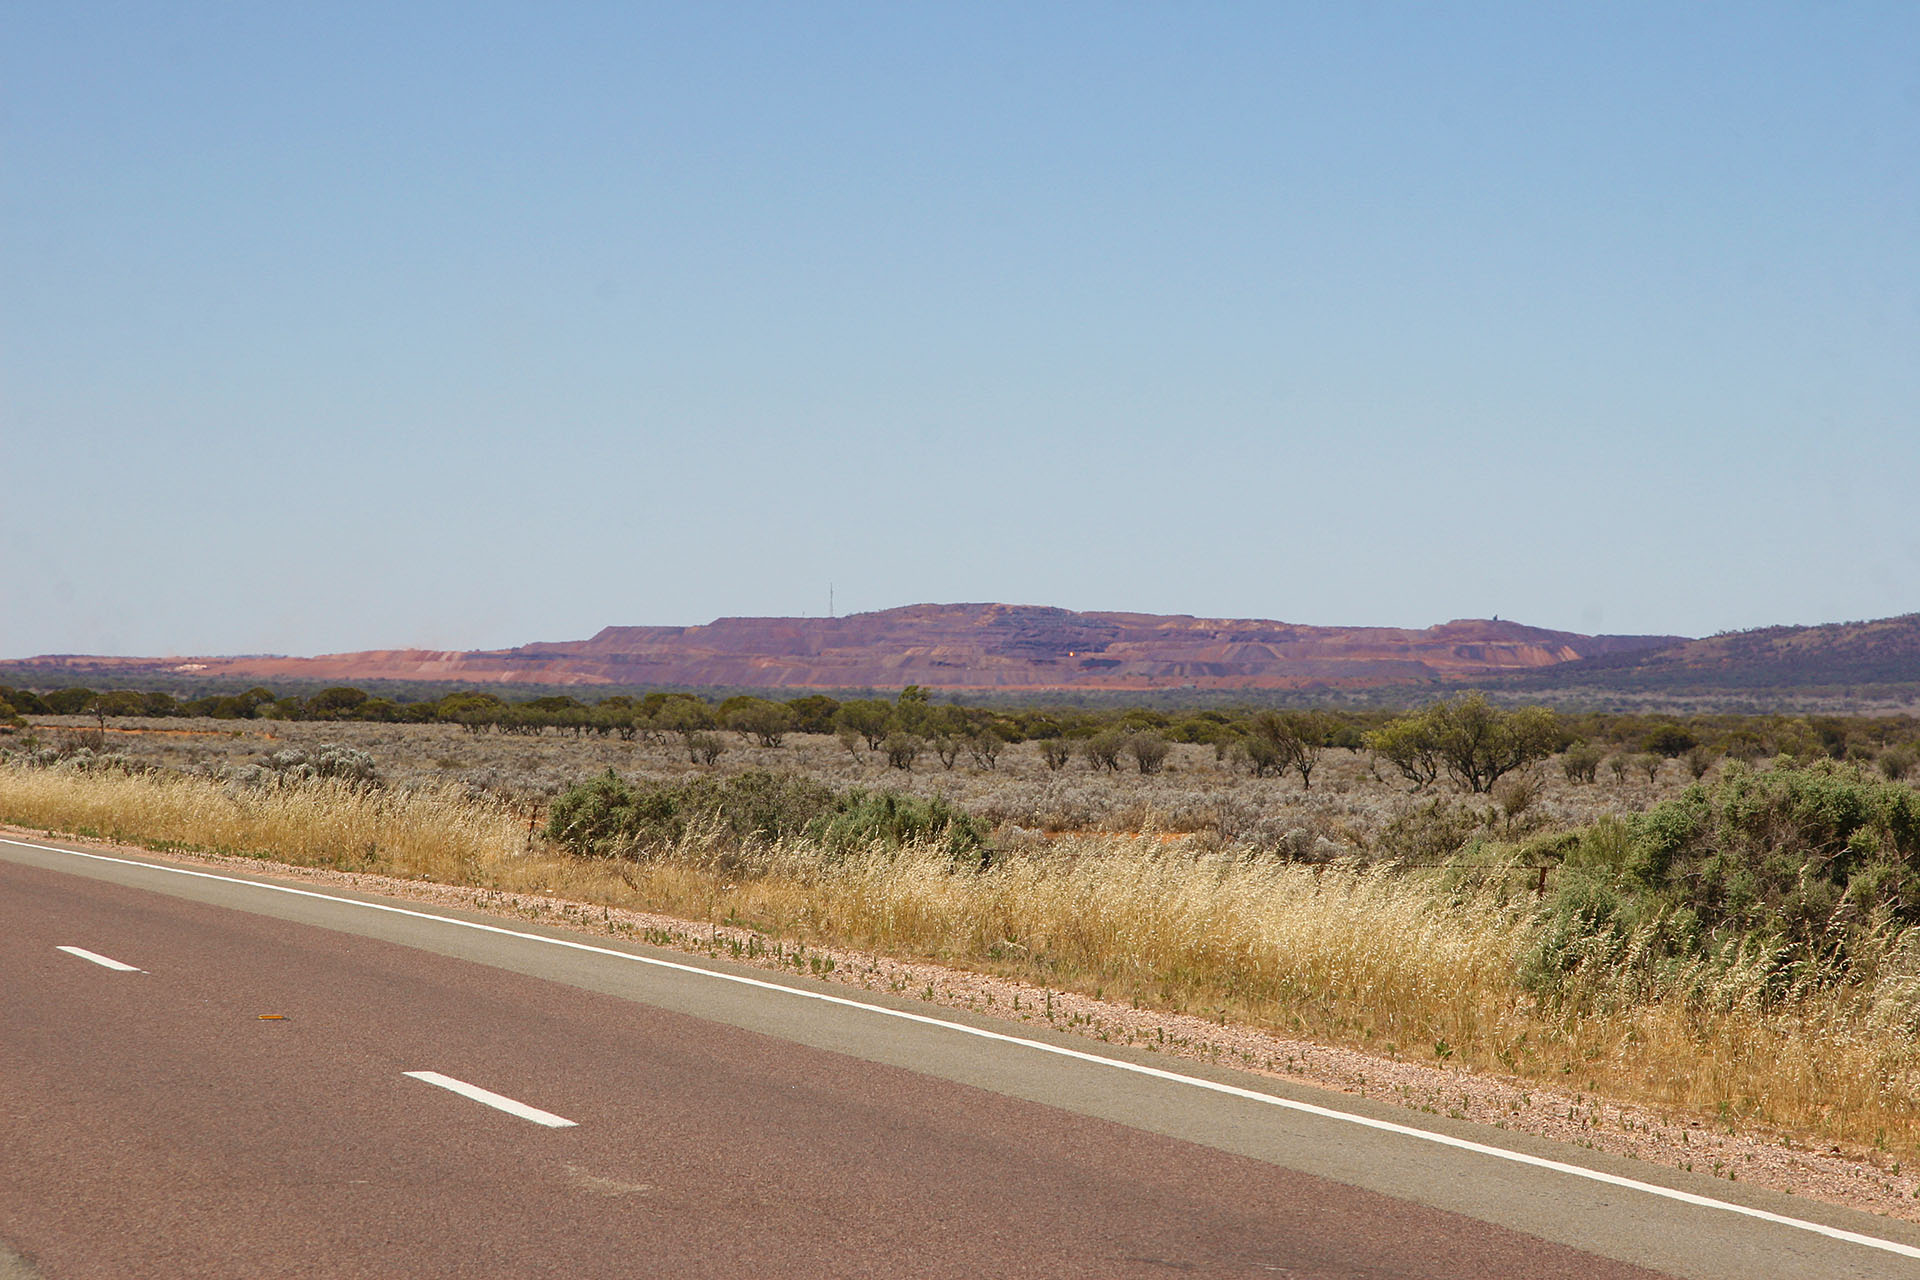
99 959
488 1097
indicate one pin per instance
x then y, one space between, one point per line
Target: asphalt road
284 1082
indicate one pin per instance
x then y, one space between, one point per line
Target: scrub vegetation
1715 914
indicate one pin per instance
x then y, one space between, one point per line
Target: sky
339 327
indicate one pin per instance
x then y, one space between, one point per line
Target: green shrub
595 818
1581 762
1670 740
1792 874
1429 835
1896 762
760 805
607 817
863 819
1801 851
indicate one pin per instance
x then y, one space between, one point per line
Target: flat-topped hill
947 646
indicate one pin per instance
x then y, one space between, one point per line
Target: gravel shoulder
1860 1179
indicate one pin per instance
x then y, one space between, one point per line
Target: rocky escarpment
969 646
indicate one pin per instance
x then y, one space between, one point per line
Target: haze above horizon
461 327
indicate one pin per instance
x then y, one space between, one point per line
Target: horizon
444 328
918 604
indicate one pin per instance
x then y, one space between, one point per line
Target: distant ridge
979 647
1881 654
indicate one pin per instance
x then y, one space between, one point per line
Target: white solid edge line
1118 1064
95 956
498 1101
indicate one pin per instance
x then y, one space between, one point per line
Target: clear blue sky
330 327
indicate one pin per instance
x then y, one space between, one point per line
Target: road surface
204 1074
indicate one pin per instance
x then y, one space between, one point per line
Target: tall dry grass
1389 961
440 834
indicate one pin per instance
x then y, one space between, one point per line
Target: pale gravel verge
1858 1179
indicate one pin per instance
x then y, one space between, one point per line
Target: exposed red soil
962 646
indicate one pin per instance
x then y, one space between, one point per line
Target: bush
703 747
1670 740
902 749
1475 742
1793 869
864 819
333 761
607 817
1896 763
1699 760
1148 749
1103 750
1428 835
597 818
1581 762
86 760
1800 851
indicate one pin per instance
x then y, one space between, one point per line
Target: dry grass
437 834
1372 958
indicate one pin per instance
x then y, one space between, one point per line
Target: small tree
682 713
1149 751
1055 752
118 702
1670 740
26 702
871 718
851 741
1475 742
703 745
1480 744
1581 762
1296 739
948 747
1259 755
985 744
910 712
767 723
70 702
1411 746
903 749
1103 750
813 713
622 718
1699 759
